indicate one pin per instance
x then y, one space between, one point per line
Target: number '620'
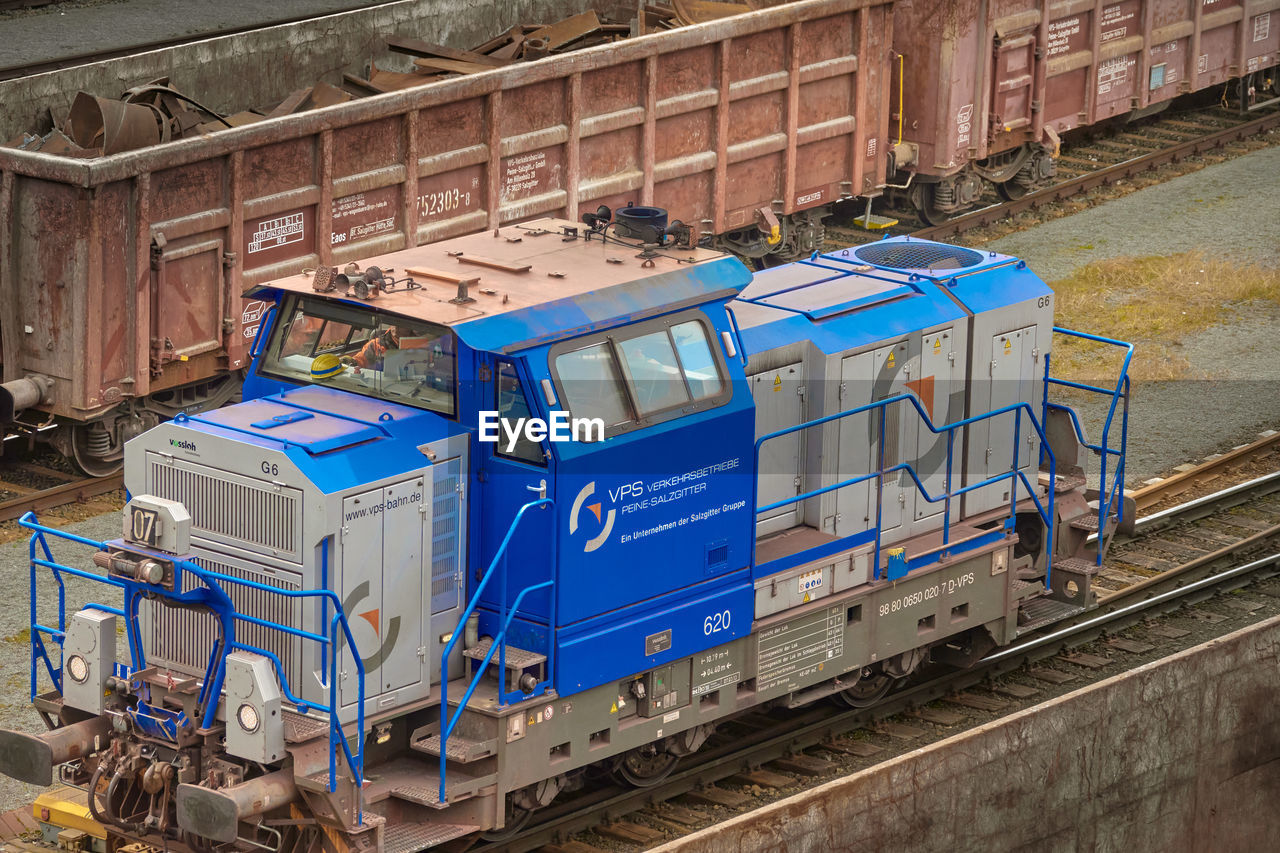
716 622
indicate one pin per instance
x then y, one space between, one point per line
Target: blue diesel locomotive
503 509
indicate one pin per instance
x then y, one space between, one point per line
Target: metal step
1087 522
408 837
1038 612
1025 589
299 728
423 795
461 749
1068 482
516 658
873 222
460 788
1077 566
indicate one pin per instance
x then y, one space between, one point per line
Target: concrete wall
1179 755
261 67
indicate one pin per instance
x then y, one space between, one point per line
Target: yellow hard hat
326 366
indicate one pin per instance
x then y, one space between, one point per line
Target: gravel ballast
1227 210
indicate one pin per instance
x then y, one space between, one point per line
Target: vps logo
596 510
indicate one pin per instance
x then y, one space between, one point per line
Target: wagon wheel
644 766
769 261
1011 190
869 690
927 209
82 453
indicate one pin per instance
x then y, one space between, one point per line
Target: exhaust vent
231 508
917 256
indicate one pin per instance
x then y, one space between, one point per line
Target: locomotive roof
540 281
854 297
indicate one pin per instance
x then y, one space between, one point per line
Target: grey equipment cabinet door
778 405
382 593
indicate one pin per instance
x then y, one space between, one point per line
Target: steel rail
59 495
1206 505
1158 492
1198 508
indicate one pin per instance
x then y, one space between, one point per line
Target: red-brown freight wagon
989 85
121 276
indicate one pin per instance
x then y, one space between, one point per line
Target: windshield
357 349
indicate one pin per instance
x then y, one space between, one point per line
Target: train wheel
770 261
870 689
644 766
927 205
517 819
89 444
1011 190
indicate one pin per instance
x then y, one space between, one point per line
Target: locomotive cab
386 447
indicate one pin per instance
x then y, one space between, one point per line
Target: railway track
1089 165
33 487
1230 538
1260 456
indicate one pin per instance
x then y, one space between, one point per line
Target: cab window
641 374
367 352
512 405
700 369
654 372
592 385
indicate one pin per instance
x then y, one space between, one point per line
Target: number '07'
716 622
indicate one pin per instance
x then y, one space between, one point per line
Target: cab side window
655 374
641 374
512 405
592 384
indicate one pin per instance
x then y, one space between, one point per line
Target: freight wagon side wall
985 76
1105 59
784 109
261 67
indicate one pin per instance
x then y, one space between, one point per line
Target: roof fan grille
917 256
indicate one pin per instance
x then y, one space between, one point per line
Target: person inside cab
372 354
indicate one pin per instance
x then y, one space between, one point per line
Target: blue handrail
449 723
1112 495
1047 514
213 596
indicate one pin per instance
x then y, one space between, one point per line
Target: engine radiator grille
230 507
182 639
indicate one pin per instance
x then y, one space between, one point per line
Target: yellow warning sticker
614 709
777 383
532 720
1008 347
891 361
806 598
937 344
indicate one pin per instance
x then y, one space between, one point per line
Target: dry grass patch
1155 302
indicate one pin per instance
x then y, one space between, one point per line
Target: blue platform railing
498 565
212 596
1014 474
1110 495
